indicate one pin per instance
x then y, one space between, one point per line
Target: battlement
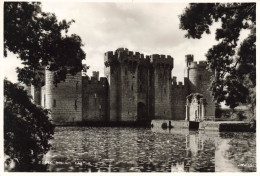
196 64
179 84
189 58
123 55
174 80
93 80
162 59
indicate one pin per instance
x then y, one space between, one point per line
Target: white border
126 1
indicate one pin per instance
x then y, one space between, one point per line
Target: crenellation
94 79
179 85
103 80
109 54
162 56
130 53
200 64
162 61
188 59
174 80
85 78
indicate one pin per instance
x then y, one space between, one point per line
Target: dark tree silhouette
40 41
27 129
234 65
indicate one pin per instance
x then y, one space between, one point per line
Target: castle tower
36 94
35 91
199 82
129 63
113 75
125 71
65 100
188 60
161 85
143 89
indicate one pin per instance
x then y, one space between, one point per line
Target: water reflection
107 149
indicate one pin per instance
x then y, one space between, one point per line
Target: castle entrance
141 113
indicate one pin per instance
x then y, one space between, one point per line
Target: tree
27 129
40 41
234 65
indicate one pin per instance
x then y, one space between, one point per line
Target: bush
27 130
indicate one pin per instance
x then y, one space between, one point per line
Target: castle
136 88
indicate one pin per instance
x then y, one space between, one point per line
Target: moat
106 149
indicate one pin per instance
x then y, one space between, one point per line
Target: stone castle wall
136 88
95 98
178 99
65 100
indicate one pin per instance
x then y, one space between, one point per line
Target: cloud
150 28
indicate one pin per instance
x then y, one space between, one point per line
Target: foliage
234 65
40 40
27 129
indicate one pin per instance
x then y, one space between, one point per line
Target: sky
148 28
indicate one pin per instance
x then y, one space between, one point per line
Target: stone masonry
136 88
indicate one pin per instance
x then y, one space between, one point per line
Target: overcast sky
149 28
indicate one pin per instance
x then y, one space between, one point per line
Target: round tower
199 82
198 76
65 100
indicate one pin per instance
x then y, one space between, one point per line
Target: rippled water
105 149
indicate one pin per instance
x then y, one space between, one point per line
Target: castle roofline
94 80
137 56
196 64
180 84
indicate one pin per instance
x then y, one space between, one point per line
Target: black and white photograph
128 86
